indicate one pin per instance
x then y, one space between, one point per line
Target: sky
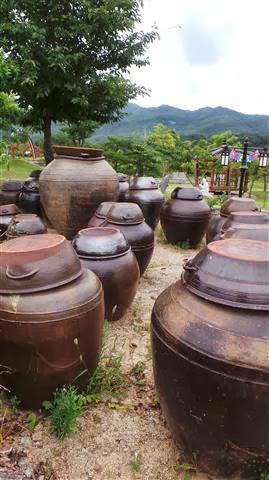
211 53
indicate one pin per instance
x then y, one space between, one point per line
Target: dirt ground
123 439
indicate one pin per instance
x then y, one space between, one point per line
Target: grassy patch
18 169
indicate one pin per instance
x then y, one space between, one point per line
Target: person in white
204 187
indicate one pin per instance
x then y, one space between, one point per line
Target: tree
71 59
10 112
80 131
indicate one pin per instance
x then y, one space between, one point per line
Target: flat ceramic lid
125 214
250 231
11 185
248 217
10 209
30 248
83 153
232 272
186 193
31 185
143 183
238 204
100 242
103 209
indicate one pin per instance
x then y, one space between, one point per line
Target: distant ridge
204 122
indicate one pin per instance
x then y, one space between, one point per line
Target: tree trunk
265 177
48 154
252 185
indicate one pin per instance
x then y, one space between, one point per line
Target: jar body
150 202
211 372
141 239
71 188
119 277
185 220
214 228
42 342
10 191
124 188
29 202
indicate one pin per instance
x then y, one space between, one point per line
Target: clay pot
7 213
247 231
251 218
124 186
129 219
100 215
184 218
73 185
49 337
35 174
233 204
107 253
10 191
29 197
211 360
144 191
25 224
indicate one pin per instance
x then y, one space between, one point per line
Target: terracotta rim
30 248
241 249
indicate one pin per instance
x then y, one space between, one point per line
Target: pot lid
35 174
125 214
37 262
11 185
103 209
258 218
83 153
31 185
231 272
238 204
10 209
25 224
186 193
100 242
252 232
122 177
143 183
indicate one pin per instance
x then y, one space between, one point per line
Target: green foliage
70 59
107 379
32 421
136 462
184 245
65 409
80 131
10 112
14 402
264 476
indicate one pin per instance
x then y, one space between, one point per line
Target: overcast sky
211 53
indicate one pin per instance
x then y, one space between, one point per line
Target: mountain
203 122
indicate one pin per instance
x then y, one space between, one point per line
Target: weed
155 402
138 368
107 379
184 245
136 462
264 476
155 265
32 421
15 403
65 409
141 327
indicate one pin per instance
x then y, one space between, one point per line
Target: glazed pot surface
100 214
25 224
150 202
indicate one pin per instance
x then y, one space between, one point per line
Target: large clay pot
210 353
123 185
29 197
10 191
47 338
129 219
25 224
100 215
144 191
7 212
233 204
251 218
107 253
246 230
184 218
73 185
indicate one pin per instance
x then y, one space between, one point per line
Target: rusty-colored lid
186 193
100 243
122 177
36 263
11 186
125 214
143 183
103 209
249 231
79 152
10 209
238 204
258 218
231 272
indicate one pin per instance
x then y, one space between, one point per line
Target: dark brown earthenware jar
233 204
100 215
129 219
10 191
184 218
107 253
246 230
124 186
29 197
47 338
251 218
210 354
25 224
7 213
73 185
35 174
145 192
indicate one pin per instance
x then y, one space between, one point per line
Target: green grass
19 169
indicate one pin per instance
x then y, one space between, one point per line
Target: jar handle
20 276
127 217
187 265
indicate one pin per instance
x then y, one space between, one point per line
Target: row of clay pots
24 194
210 346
